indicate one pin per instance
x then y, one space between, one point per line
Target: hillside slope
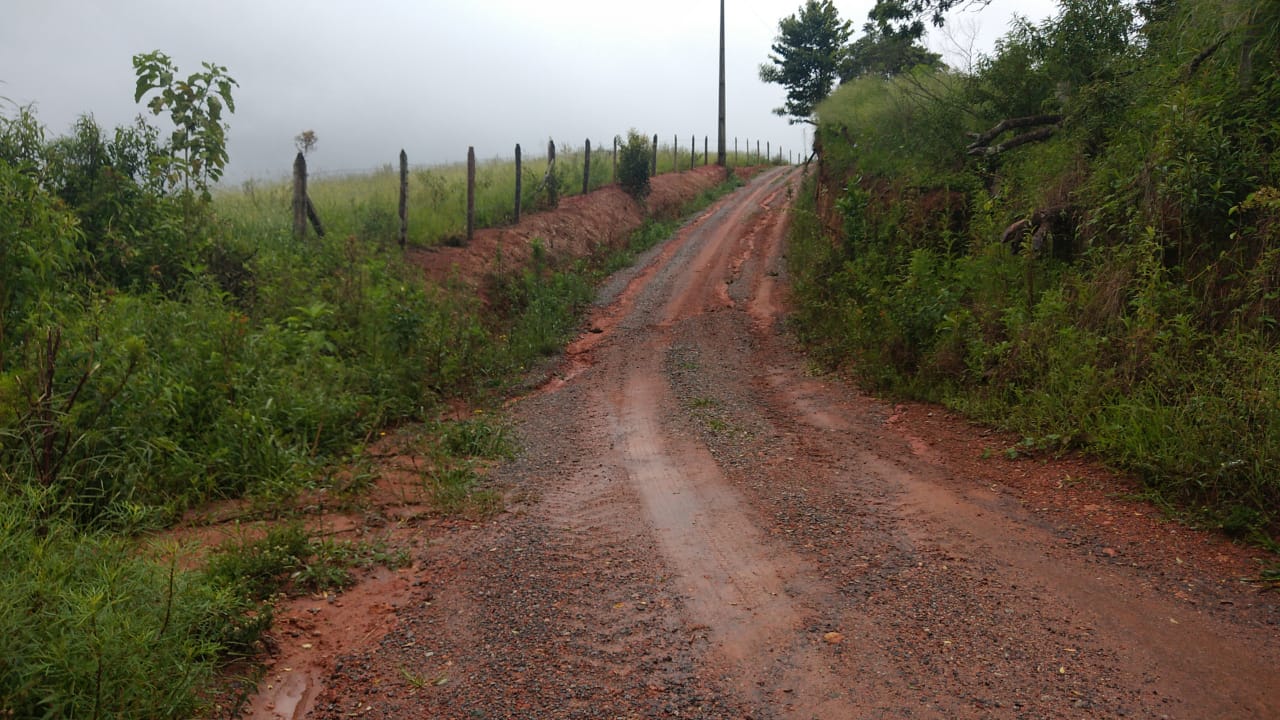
1078 241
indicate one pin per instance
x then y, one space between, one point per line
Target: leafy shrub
633 165
156 353
38 249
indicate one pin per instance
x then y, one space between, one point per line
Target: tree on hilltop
807 55
885 54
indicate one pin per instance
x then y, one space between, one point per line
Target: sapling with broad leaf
198 144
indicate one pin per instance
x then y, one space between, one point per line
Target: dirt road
700 526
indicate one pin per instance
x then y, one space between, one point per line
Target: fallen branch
314 217
1033 136
980 140
1205 55
1014 232
1038 224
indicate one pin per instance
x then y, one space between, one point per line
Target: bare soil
577 227
702 525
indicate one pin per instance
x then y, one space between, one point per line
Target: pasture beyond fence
451 201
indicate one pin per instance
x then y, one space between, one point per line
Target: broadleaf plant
198 144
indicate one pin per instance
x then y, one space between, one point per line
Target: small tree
198 144
633 165
807 54
306 141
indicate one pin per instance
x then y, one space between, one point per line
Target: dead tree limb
1205 54
1013 233
314 217
1039 225
935 97
1043 133
983 139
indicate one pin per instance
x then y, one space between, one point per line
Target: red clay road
703 526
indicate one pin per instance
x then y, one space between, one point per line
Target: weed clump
90 628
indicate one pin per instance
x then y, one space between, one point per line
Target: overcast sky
431 76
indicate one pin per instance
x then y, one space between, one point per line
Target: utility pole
720 144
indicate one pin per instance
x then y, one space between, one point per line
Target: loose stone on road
701 526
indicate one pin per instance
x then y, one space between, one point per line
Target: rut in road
744 589
701 527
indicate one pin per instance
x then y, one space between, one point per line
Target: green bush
634 157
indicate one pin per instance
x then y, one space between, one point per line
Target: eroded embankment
579 226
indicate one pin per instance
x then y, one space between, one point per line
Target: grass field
365 205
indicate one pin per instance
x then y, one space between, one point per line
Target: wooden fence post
693 150
614 177
768 154
300 197
675 154
735 151
586 169
551 181
519 183
653 165
404 199
757 150
471 193
706 150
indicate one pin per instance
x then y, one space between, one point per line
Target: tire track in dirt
734 586
695 513
1080 642
746 591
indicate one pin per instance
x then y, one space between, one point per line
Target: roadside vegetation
365 205
161 347
1076 240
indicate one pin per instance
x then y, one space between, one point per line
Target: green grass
1194 413
292 558
89 627
366 206
480 436
454 490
